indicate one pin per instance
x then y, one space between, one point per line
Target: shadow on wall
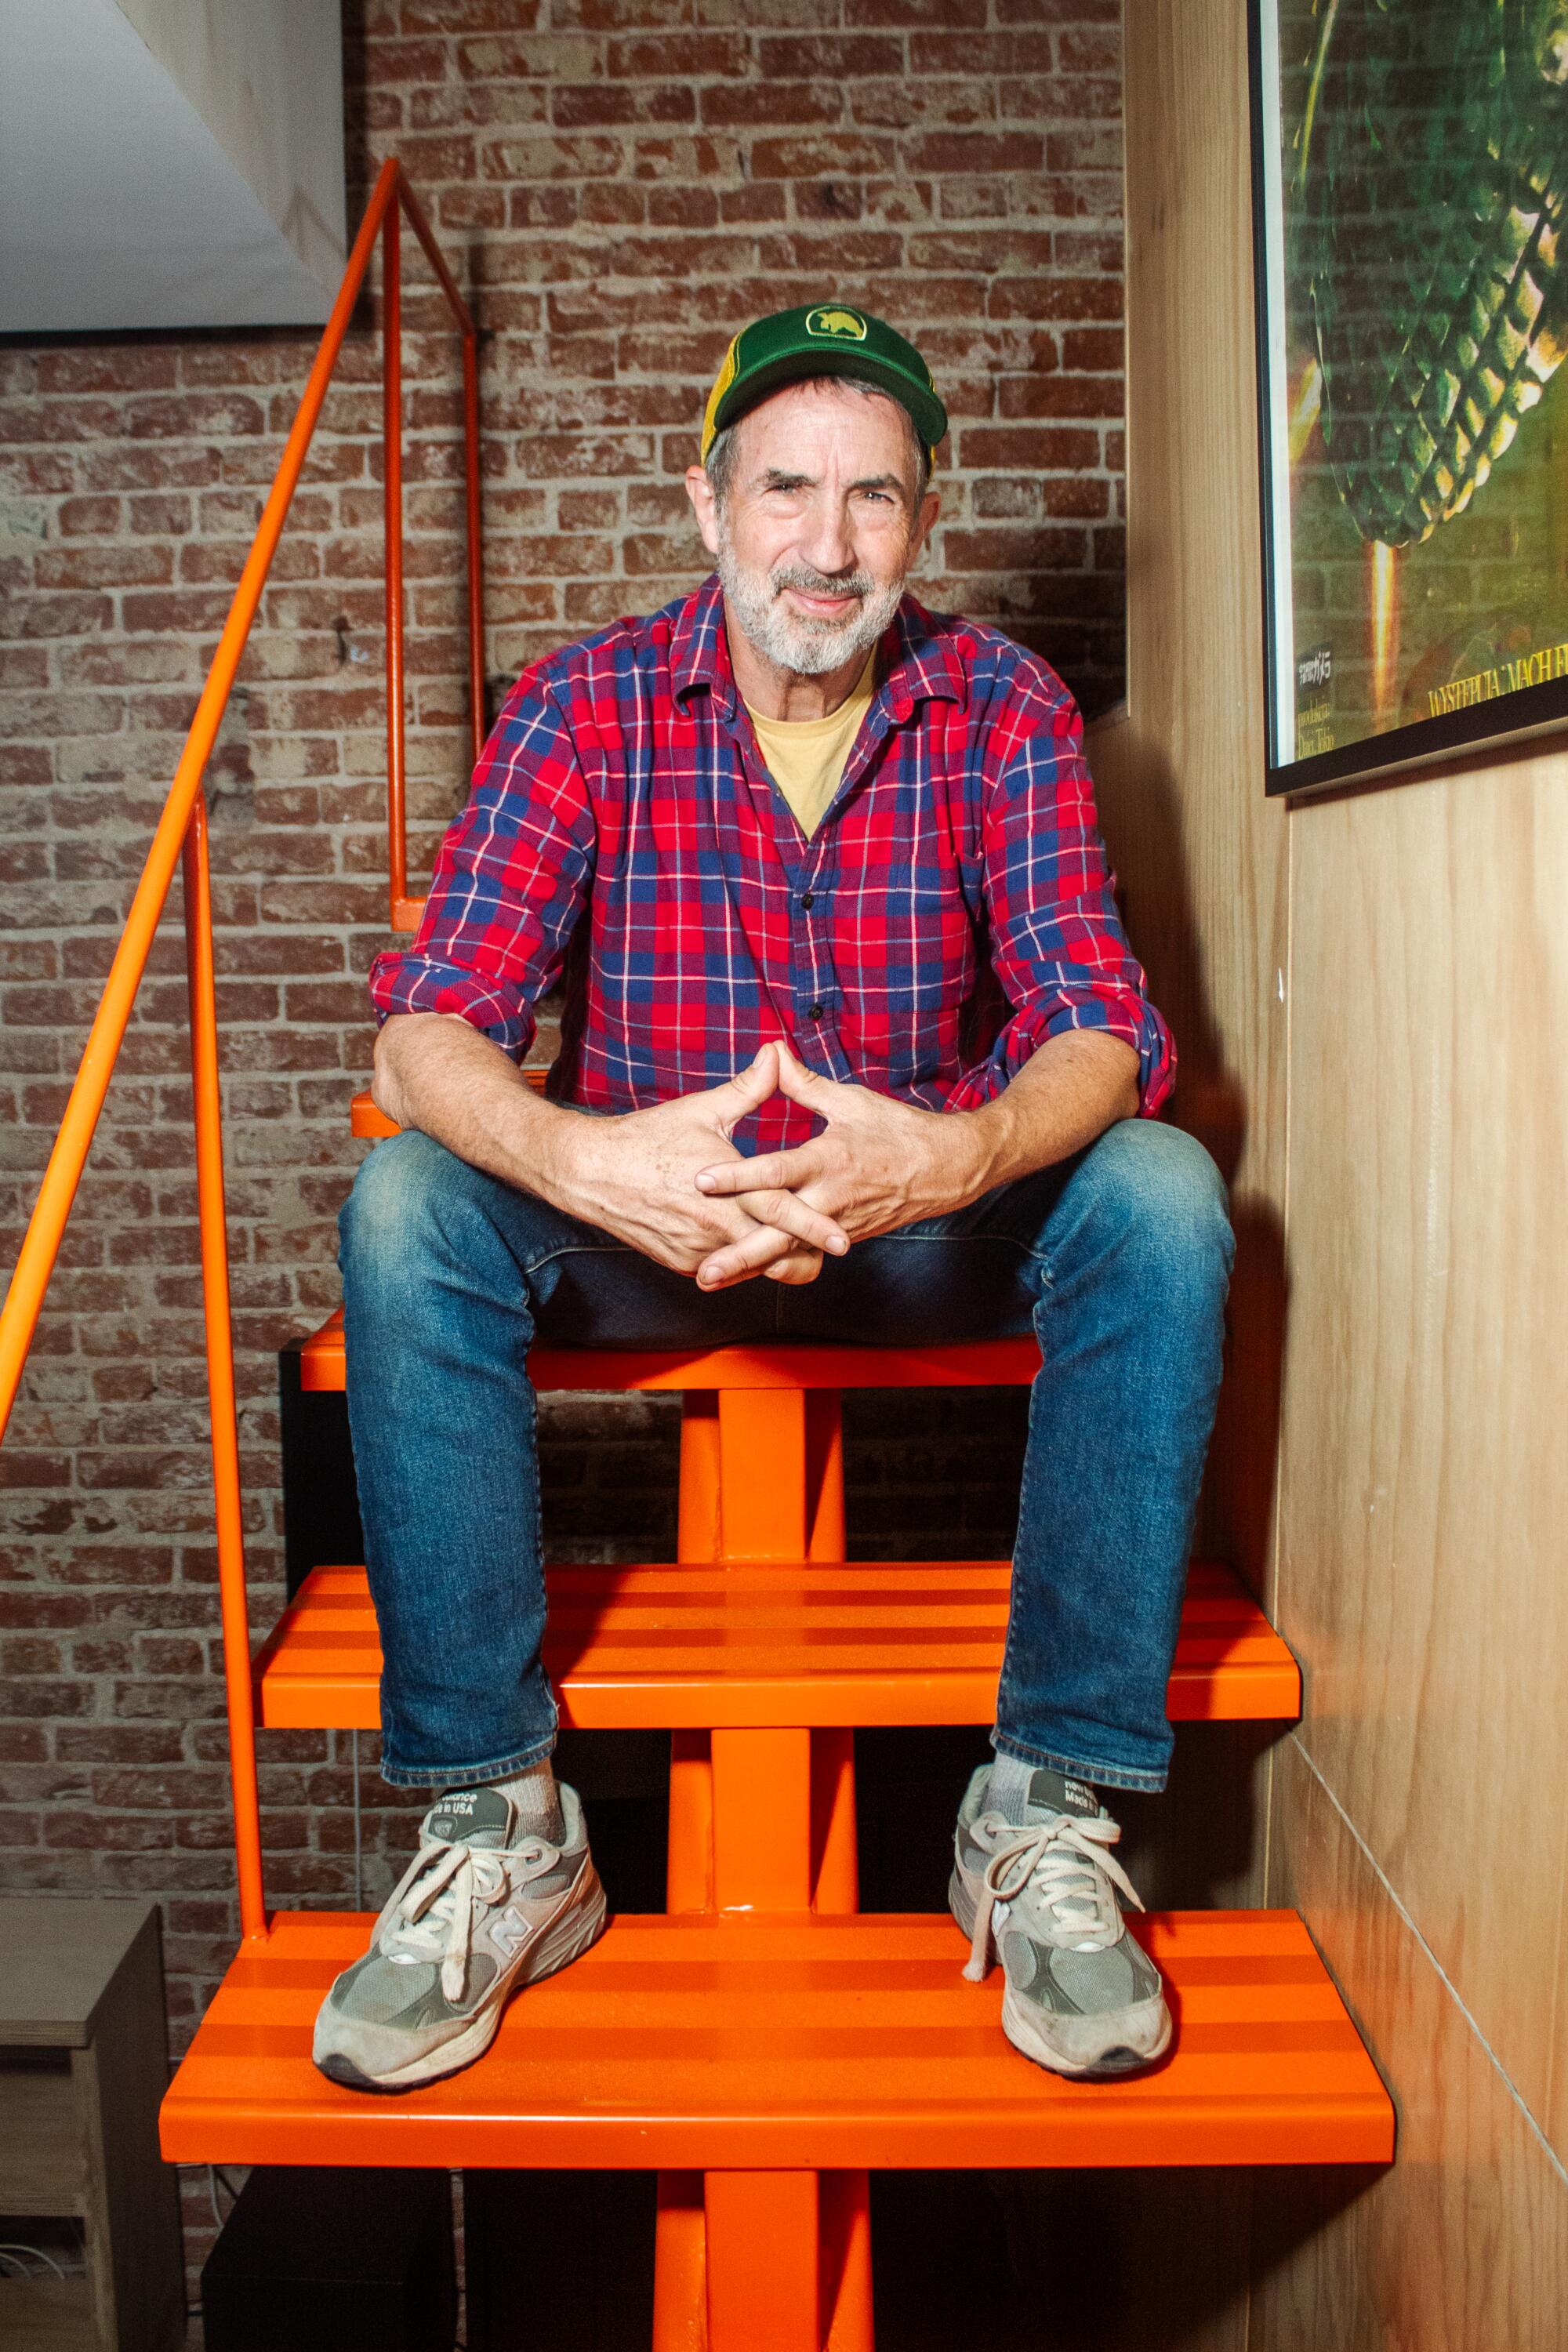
1140 814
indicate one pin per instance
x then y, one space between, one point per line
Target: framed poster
1410 188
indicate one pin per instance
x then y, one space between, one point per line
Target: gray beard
789 641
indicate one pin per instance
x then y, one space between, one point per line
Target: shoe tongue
1056 1792
479 1817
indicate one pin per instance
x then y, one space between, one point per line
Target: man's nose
829 544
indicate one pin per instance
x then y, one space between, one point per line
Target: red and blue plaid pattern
952 909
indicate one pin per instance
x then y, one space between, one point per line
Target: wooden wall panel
1371 996
1425 1518
1462 2245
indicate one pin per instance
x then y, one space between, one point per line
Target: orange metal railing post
226 1493
405 911
392 429
476 542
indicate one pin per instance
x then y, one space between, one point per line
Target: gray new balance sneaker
482 1910
1081 1997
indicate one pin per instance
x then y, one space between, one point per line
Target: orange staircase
761 2044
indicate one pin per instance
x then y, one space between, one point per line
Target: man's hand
878 1163
635 1176
632 1174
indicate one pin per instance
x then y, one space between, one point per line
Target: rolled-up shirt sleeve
509 884
1059 950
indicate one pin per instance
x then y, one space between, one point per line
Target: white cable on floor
215 2173
9 2253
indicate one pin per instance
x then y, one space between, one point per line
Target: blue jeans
1119 1259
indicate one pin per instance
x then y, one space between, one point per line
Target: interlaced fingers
1065 1858
435 1918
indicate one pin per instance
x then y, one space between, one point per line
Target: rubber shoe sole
1020 2022
569 1937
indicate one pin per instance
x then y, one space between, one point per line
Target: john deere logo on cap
831 319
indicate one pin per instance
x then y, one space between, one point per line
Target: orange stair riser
762 1819
763 2249
689 1860
712 2044
681 2265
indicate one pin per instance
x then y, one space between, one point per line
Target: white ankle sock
1008 1787
536 1802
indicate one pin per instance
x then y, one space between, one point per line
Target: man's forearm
435 1071
1069 1092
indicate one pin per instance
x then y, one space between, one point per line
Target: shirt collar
920 657
698 651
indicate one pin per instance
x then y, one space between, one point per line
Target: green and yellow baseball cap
823 339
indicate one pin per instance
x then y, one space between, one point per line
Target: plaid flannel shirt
952 909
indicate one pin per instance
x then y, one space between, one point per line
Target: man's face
818 529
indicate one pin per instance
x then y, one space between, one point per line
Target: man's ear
699 490
930 507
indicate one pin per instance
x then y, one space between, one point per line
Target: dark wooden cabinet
82 2069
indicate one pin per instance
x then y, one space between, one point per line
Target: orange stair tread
671 1645
762 2041
971 1363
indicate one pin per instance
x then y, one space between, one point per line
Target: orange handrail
404 911
181 831
392 438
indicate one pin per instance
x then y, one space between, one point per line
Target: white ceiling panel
122 207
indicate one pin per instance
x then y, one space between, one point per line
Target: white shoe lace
1065 1859
434 1914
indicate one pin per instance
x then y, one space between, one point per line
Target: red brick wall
621 186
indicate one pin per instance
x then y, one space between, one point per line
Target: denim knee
410 1200
1157 1202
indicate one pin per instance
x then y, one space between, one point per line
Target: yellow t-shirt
806 757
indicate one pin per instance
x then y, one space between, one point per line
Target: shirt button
815 1011
807 897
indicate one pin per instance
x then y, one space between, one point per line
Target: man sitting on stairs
853 1049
